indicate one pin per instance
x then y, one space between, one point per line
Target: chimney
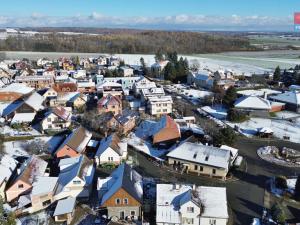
194 187
131 175
265 95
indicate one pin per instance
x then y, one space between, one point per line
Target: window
190 209
76 182
110 159
212 222
118 201
132 213
165 110
201 168
49 126
125 201
195 167
190 221
20 186
45 203
214 171
49 119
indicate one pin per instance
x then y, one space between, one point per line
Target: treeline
143 42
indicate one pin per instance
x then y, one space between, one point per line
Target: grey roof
111 141
128 179
126 116
65 206
292 97
202 154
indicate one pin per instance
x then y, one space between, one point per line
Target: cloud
182 21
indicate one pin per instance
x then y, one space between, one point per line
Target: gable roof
78 139
126 116
62 113
70 169
253 102
112 141
105 101
35 101
292 97
202 154
65 206
128 179
30 169
44 185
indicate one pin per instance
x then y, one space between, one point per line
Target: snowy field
8 131
217 111
237 63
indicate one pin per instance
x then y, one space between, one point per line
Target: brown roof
31 168
62 113
62 87
168 131
79 139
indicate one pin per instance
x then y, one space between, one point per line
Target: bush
236 115
280 182
278 214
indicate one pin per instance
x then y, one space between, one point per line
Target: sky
240 15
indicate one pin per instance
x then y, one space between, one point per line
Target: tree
36 147
278 214
276 76
122 63
6 218
234 115
230 97
281 182
297 189
159 55
225 136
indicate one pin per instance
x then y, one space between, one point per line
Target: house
126 82
185 204
25 177
165 131
75 178
126 121
158 67
290 98
111 150
64 210
69 99
40 197
202 79
151 92
126 71
8 167
56 119
110 103
121 194
160 105
36 81
75 144
141 84
200 159
86 86
65 87
253 105
14 91
50 93
110 88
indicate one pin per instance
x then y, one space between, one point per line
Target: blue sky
165 14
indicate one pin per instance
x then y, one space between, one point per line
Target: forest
127 42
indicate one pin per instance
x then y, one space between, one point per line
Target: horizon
269 15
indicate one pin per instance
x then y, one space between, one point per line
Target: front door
122 215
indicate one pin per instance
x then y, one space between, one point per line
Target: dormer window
20 186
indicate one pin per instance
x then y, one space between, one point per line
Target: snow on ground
217 111
144 146
281 128
15 148
291 183
287 114
8 131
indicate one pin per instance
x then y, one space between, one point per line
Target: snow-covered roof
214 200
114 142
252 102
7 166
292 97
259 92
17 88
170 198
160 99
202 154
128 179
233 151
35 100
44 185
23 118
65 206
265 130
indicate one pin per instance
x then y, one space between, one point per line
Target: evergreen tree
6 218
159 55
230 96
276 76
297 189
